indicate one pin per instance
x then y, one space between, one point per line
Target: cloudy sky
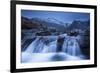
65 17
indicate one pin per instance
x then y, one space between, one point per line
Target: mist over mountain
53 26
37 23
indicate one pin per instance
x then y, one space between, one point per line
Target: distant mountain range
38 23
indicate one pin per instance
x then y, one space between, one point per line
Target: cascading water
40 46
71 46
32 46
50 48
45 49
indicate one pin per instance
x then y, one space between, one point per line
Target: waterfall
32 46
50 48
39 46
47 47
71 46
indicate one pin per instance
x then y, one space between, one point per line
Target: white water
39 51
71 46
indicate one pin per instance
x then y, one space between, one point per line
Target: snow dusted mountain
53 26
39 23
55 20
51 23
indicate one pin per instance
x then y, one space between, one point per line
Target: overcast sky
65 17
